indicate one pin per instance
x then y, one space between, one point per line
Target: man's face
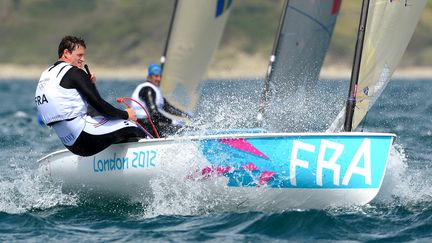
155 79
75 57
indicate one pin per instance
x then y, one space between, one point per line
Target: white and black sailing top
54 102
62 95
151 97
158 99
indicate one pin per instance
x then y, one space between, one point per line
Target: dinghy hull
260 171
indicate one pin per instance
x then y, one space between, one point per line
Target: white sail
389 28
304 39
195 35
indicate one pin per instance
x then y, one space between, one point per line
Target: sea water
34 209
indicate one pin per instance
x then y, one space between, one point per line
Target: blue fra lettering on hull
142 159
305 162
329 167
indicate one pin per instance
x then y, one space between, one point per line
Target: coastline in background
245 70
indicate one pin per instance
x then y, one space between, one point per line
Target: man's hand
93 78
91 75
131 114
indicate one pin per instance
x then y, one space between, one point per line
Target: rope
122 100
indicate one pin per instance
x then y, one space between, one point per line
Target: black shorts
90 144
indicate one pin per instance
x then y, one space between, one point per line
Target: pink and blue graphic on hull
299 161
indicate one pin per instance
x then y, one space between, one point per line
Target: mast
266 91
163 57
351 102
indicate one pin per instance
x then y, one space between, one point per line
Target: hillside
127 34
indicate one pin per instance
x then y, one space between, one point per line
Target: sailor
62 97
150 96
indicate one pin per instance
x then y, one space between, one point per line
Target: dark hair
70 43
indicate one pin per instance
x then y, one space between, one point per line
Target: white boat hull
260 171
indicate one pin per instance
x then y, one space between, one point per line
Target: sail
305 33
389 28
195 34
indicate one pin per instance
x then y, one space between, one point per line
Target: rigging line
363 123
163 57
122 100
266 92
355 73
323 26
